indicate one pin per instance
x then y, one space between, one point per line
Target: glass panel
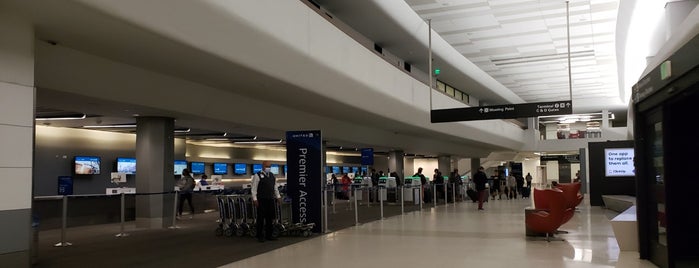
457 95
441 85
450 90
658 167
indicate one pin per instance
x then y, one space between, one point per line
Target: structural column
475 165
155 147
17 127
444 164
395 162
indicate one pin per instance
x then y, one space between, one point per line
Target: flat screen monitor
285 169
179 166
355 170
87 165
240 168
275 169
346 170
256 168
618 162
197 167
365 170
327 169
336 170
126 165
220 168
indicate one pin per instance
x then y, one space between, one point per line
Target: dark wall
599 183
55 149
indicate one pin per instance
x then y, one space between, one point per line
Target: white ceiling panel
524 44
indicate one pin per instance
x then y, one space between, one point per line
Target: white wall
428 166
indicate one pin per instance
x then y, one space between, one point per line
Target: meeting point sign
508 111
303 178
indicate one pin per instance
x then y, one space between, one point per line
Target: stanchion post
381 201
333 198
422 196
356 213
434 195
445 193
402 200
121 227
325 208
64 224
174 211
453 193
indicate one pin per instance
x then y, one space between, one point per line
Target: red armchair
572 193
547 221
543 203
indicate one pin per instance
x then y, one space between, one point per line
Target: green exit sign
437 71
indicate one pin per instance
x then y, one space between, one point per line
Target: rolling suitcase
472 194
526 191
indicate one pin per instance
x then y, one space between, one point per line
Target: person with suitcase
480 179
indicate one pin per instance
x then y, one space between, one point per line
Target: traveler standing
511 187
186 187
529 180
264 194
480 179
438 180
497 181
423 182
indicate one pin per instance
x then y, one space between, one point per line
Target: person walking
264 194
186 187
480 179
529 180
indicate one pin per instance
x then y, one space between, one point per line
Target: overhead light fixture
112 126
259 142
183 130
61 117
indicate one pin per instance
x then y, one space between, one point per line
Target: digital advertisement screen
618 162
179 166
220 168
197 167
87 165
275 169
240 168
256 168
336 170
126 165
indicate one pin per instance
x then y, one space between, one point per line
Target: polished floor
458 235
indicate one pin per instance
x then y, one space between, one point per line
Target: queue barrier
122 233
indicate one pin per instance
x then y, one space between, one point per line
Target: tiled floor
458 235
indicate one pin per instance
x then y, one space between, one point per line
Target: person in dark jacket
264 194
480 179
186 188
438 180
423 181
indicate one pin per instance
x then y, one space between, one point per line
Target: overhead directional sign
508 111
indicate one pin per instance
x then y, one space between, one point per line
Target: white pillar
17 127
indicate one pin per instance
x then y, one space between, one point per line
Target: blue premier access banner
304 158
65 185
367 156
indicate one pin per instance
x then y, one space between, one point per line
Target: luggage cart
287 228
244 226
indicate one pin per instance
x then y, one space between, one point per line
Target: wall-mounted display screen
197 167
220 168
346 170
618 162
126 165
284 169
274 169
336 170
240 168
87 165
365 170
179 166
355 170
256 168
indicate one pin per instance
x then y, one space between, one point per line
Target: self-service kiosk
411 190
384 184
358 184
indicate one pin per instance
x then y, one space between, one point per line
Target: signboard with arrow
508 111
